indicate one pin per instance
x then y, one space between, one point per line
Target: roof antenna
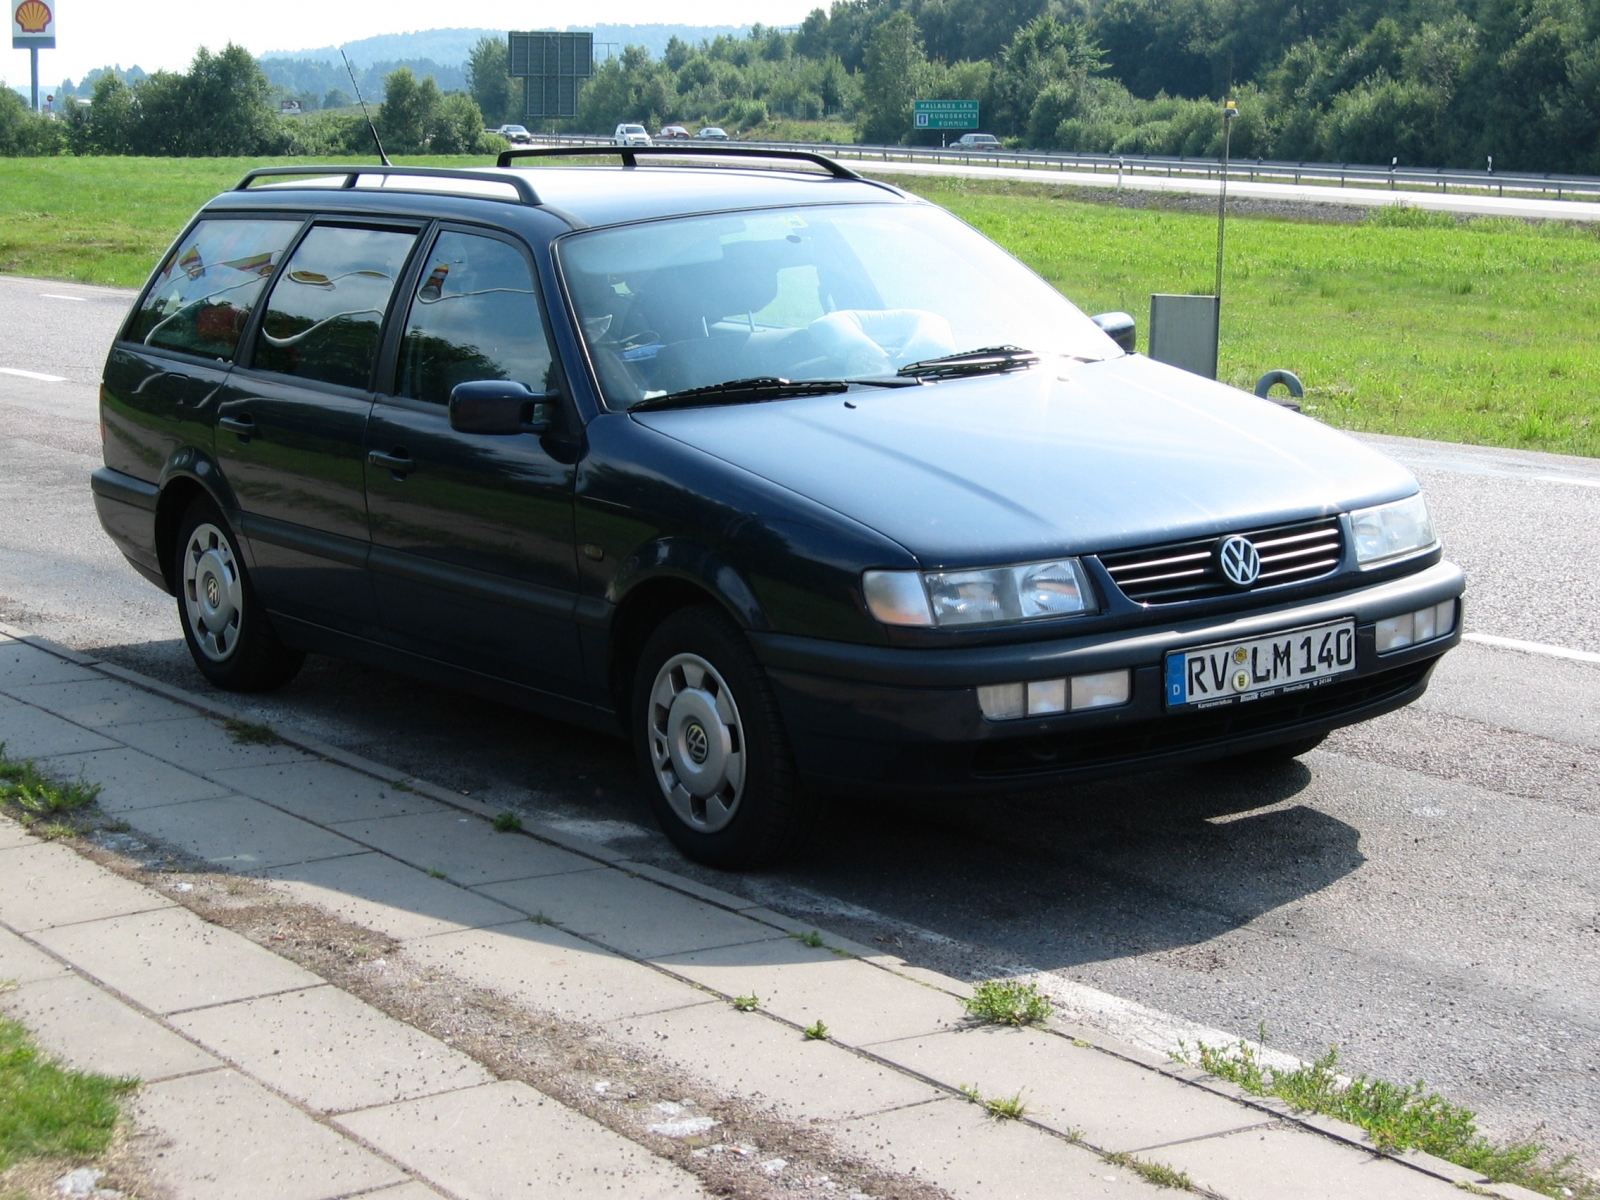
382 157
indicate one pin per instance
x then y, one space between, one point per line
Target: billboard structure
552 66
33 28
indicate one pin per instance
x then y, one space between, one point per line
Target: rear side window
205 290
476 315
325 313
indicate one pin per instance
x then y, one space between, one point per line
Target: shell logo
34 16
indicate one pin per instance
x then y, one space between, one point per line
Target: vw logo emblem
1239 560
696 742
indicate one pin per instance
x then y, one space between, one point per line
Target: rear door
473 554
291 429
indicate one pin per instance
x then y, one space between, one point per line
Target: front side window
205 290
827 292
476 315
325 313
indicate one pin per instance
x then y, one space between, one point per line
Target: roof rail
519 183
629 155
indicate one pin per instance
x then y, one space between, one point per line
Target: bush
27 134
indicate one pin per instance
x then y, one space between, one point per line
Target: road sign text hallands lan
945 114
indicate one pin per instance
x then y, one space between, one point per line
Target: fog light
1102 690
1046 696
1413 628
1002 702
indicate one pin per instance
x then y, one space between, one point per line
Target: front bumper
880 718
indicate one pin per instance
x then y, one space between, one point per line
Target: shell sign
33 24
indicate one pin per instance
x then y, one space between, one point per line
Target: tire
710 745
225 625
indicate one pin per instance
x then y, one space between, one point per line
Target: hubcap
213 593
696 742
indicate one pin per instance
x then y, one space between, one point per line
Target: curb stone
603 856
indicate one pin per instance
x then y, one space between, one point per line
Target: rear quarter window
206 287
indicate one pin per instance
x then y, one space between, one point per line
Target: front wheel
711 747
224 623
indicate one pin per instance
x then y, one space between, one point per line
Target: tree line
1423 82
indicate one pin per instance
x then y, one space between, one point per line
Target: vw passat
791 478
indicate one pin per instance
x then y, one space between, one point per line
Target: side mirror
1120 328
499 406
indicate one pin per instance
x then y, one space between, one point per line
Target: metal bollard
1290 380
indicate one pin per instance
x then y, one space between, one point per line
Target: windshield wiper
756 389
986 361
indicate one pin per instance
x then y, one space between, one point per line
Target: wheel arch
177 493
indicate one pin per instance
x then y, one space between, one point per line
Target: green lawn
1475 332
47 1111
1483 331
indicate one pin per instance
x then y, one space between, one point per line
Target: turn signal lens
1414 628
1048 697
896 597
1102 690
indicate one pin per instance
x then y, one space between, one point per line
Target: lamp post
1229 112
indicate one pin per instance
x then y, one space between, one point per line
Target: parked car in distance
515 134
668 132
712 133
632 135
978 141
789 477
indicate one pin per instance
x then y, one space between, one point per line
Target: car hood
1066 459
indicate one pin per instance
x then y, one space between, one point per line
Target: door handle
397 462
243 426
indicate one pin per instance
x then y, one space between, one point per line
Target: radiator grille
1188 570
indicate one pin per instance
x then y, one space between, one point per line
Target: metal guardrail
1440 179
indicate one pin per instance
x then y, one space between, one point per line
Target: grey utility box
1183 332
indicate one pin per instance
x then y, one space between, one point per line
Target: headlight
1031 592
1389 530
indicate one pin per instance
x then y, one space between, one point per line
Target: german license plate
1238 672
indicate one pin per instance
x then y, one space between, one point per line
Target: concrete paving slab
324 792
201 744
330 1051
171 960
506 1141
1291 1164
90 1030
954 1146
547 970
130 779
44 885
858 1002
239 834
406 1191
22 664
21 963
220 1136
637 917
100 703
13 834
375 891
770 1064
27 732
466 849
1110 1103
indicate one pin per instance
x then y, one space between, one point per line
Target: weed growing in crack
39 797
1152 1172
746 1003
250 733
817 1032
435 873
1007 1002
1002 1108
508 822
812 939
1396 1116
539 918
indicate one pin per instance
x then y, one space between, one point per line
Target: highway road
1423 892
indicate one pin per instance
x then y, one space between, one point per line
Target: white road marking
1485 639
21 374
57 296
1594 483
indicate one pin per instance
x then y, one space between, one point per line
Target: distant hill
450 47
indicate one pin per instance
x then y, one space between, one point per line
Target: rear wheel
711 747
226 628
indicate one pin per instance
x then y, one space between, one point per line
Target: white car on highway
632 135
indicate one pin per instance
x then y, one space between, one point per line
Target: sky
164 34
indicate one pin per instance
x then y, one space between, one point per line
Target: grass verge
1007 1002
47 1111
43 804
1396 1116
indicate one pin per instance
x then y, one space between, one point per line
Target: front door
292 425
473 555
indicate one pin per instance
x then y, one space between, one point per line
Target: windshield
835 292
